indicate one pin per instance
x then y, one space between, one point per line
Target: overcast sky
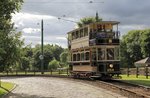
133 14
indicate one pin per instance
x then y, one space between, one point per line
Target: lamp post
42 54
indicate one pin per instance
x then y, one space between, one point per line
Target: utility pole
42 55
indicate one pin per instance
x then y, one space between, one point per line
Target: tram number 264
110 69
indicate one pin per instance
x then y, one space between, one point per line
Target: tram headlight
111 65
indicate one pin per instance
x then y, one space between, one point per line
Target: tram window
117 53
110 53
108 30
73 36
82 56
104 28
92 35
77 34
101 54
86 31
74 57
94 54
87 56
78 57
81 33
99 28
69 37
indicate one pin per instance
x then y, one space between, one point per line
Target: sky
132 14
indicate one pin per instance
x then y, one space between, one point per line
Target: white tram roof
102 22
107 22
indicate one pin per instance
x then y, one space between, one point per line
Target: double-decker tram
94 50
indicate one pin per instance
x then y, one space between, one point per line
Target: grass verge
5 88
141 80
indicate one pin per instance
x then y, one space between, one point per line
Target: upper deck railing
113 35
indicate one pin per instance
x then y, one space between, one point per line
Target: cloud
30 16
133 14
61 38
31 30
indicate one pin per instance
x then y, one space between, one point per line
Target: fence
136 71
63 72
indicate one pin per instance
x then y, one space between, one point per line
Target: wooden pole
137 72
146 71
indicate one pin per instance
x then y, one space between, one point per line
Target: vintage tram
94 50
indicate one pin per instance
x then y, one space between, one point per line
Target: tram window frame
87 57
110 58
78 56
77 34
69 37
102 50
94 57
74 57
81 33
82 56
73 35
99 27
117 53
85 31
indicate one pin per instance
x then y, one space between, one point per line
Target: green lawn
141 80
5 88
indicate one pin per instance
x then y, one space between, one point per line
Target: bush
53 65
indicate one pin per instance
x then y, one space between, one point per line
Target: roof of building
143 62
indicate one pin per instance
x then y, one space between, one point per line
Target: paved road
49 87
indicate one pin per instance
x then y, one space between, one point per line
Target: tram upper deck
99 33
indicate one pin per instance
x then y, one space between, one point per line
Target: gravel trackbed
50 87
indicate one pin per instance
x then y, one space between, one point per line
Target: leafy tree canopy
88 20
10 42
135 45
64 58
50 52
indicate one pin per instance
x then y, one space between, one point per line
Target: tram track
127 89
118 86
123 88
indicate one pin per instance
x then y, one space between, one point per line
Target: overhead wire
66 2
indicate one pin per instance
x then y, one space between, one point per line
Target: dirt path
48 87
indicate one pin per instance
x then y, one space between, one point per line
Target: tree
88 20
64 58
56 50
50 52
145 42
9 40
25 63
134 46
53 65
130 48
27 51
11 50
7 7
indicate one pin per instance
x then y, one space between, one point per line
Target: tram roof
107 22
102 22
